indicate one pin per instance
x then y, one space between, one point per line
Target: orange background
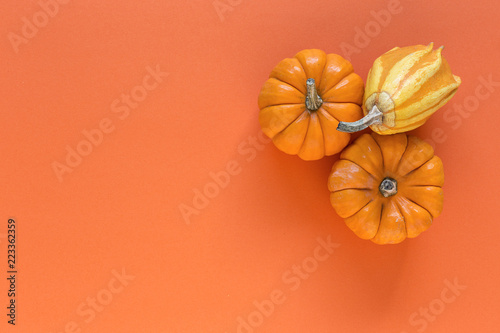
119 209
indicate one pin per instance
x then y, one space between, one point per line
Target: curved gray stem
374 116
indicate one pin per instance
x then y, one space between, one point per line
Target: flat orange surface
117 116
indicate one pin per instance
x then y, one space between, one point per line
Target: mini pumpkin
305 98
387 188
405 86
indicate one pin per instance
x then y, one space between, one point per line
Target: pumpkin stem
313 101
388 187
372 117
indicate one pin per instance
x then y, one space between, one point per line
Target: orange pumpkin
387 187
303 101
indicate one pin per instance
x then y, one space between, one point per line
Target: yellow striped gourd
405 86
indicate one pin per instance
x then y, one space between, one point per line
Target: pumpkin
405 86
305 98
387 188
